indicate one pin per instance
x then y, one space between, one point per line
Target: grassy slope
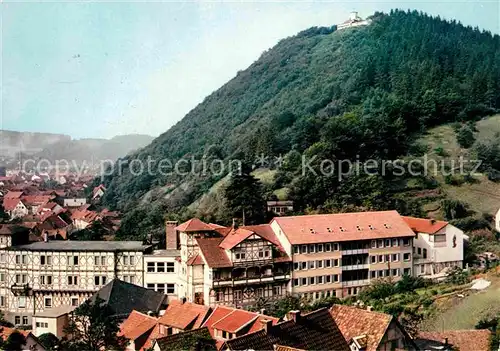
483 196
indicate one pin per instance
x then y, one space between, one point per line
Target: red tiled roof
422 225
36 199
476 340
234 237
353 321
343 227
5 229
13 195
6 331
185 315
213 255
10 204
136 325
235 321
218 313
194 225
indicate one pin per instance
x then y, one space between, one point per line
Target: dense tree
49 341
465 136
244 198
14 342
93 327
3 216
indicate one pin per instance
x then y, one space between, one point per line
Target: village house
437 245
312 331
15 207
227 323
279 207
365 330
98 193
32 342
53 320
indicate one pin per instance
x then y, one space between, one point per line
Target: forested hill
361 92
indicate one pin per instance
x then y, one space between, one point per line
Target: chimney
445 341
295 315
266 324
369 308
171 241
263 311
46 237
183 300
235 223
433 221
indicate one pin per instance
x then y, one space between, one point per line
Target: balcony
355 266
244 280
355 251
361 282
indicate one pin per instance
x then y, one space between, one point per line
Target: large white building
437 245
48 274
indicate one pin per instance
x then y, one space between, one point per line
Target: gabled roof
422 225
137 324
13 195
343 227
184 315
476 339
36 199
354 322
314 331
10 204
5 229
124 297
234 237
194 225
235 321
213 255
198 339
6 331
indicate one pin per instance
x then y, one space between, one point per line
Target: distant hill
63 147
353 94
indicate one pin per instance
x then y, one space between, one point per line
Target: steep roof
314 331
353 322
136 325
214 255
124 297
343 227
196 260
10 204
184 315
476 339
234 237
194 225
14 194
198 339
422 225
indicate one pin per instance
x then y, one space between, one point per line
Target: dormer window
370 227
387 226
312 231
358 228
341 229
329 230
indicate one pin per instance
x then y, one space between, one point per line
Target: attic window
329 230
387 226
312 231
341 229
370 226
358 227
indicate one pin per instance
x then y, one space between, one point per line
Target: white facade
53 321
161 272
74 202
434 252
353 21
19 211
44 275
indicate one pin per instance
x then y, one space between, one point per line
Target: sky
105 68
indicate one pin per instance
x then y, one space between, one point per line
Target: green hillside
356 94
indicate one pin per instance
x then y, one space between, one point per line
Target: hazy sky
98 69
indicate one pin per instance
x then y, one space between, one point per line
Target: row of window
46 260
261 254
328 247
220 296
17 320
21 301
389 258
318 264
160 267
42 324
320 279
168 288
